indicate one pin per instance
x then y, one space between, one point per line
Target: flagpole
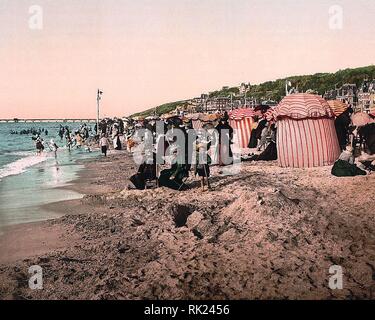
98 98
97 113
288 83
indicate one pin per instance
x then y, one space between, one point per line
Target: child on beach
104 144
203 161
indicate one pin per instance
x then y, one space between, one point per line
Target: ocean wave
20 165
21 153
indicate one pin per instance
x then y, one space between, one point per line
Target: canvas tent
167 116
306 135
337 106
200 120
241 120
138 118
361 119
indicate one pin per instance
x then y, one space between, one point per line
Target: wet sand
267 233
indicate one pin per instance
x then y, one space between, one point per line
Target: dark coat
342 124
368 135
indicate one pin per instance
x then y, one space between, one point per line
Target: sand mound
267 233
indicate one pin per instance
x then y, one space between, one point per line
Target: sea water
27 180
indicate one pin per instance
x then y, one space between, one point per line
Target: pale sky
147 52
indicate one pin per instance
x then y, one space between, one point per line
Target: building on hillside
330 94
244 87
271 103
222 104
219 104
197 104
312 91
347 94
366 96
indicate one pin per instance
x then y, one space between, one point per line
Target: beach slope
266 233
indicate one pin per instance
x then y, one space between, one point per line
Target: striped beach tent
361 119
337 106
201 120
269 115
197 123
241 120
195 120
306 135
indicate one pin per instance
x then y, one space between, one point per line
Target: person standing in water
53 146
69 142
79 140
104 144
68 138
39 145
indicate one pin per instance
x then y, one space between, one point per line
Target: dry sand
267 233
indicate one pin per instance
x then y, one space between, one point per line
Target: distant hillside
162 109
275 90
320 82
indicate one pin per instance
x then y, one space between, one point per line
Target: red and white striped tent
306 135
361 119
337 106
242 120
200 120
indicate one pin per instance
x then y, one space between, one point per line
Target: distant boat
16 120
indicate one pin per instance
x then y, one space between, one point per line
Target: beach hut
150 118
306 135
361 119
241 120
138 118
202 120
167 116
337 106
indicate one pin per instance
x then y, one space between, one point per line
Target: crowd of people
110 128
357 144
31 131
170 150
73 139
263 139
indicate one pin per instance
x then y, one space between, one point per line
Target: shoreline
50 180
18 234
74 185
80 185
267 233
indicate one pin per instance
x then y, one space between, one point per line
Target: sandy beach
266 233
